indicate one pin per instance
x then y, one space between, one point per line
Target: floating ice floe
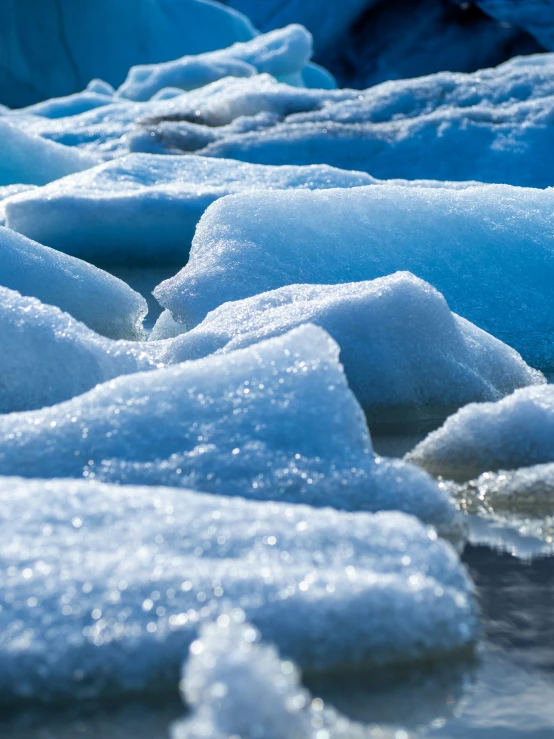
155 31
104 303
274 421
49 357
104 587
517 431
144 208
512 510
487 249
32 160
491 126
403 351
283 52
8 191
237 686
406 356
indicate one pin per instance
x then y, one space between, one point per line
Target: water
506 692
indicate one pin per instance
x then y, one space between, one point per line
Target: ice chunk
145 208
404 353
104 587
49 357
517 431
6 192
275 421
104 303
166 327
40 66
490 126
106 130
31 160
535 16
237 686
418 370
487 249
278 53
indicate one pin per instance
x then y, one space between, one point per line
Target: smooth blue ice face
98 299
143 209
105 587
39 66
488 250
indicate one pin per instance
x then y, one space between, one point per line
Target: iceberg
104 588
204 425
28 159
283 52
487 249
40 65
517 431
404 353
144 208
104 303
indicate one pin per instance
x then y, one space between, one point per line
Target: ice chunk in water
144 208
487 249
281 52
517 431
401 347
32 160
106 304
274 421
104 587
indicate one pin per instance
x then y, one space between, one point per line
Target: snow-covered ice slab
401 347
487 249
26 158
96 95
8 191
279 53
274 421
101 301
428 363
517 431
48 356
237 686
104 587
492 126
144 208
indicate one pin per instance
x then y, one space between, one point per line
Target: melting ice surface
487 249
104 587
237 686
404 353
274 421
511 510
517 431
104 303
144 208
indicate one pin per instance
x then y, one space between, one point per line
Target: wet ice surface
507 695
